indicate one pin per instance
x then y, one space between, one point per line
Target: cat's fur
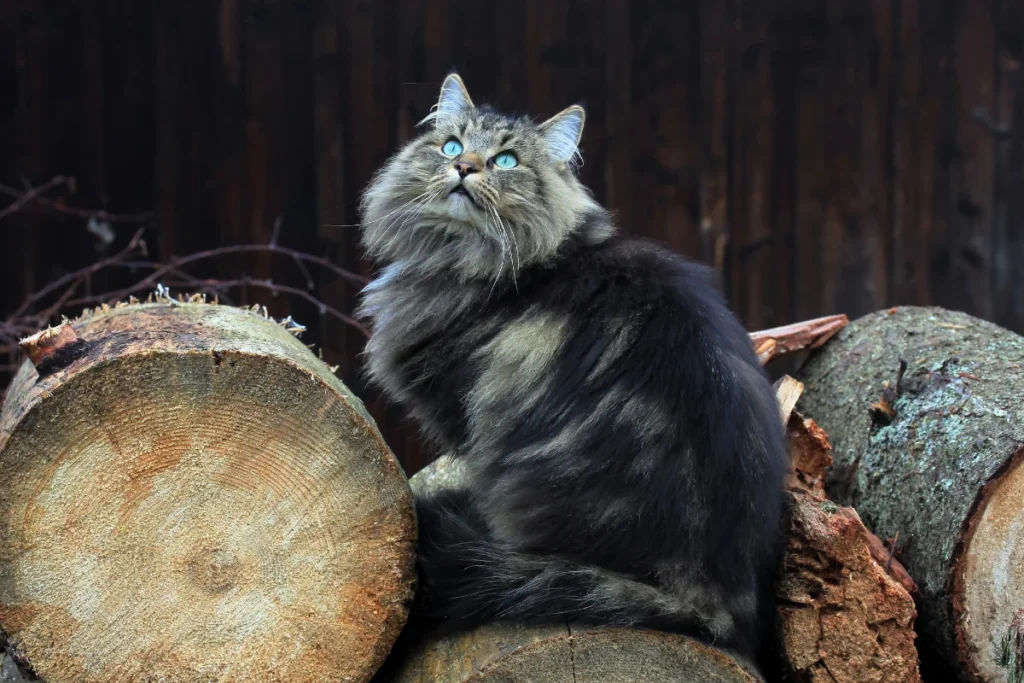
623 448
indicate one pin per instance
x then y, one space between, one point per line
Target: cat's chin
461 208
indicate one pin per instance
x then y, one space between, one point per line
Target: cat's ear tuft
454 99
563 132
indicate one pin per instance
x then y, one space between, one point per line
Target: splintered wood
809 334
847 614
924 408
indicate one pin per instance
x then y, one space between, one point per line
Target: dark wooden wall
827 156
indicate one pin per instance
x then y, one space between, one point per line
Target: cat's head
479 194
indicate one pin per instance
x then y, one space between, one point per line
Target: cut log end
197 498
503 653
988 589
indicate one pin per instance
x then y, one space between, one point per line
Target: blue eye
506 160
452 148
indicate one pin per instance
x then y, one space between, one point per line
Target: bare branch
24 199
21 199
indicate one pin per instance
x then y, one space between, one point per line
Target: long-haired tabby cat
623 448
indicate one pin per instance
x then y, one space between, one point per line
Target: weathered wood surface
839 156
192 496
941 468
847 615
513 653
807 334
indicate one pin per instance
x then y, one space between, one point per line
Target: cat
623 449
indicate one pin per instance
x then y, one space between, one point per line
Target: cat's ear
454 98
563 132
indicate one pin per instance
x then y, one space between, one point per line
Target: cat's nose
465 168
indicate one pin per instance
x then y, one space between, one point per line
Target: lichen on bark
954 385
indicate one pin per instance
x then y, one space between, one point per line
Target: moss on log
924 409
561 653
191 495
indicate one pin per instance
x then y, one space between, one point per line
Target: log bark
191 495
560 653
923 407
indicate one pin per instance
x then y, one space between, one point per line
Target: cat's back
640 279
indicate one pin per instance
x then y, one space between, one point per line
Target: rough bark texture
193 496
515 653
844 618
940 467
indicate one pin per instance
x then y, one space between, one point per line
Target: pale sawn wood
194 496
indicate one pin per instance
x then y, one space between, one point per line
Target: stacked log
559 653
845 613
191 495
925 412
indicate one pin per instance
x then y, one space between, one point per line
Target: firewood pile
190 494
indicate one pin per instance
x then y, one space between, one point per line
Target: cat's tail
467 578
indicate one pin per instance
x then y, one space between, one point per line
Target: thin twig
21 199
136 243
163 269
72 292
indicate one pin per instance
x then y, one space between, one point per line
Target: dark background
827 157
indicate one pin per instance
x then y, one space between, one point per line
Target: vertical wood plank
185 46
475 54
778 294
716 131
508 30
127 124
92 180
46 140
972 165
592 94
876 172
328 119
915 129
618 121
228 146
665 136
416 91
751 245
812 128
1008 210
857 183
330 146
277 77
